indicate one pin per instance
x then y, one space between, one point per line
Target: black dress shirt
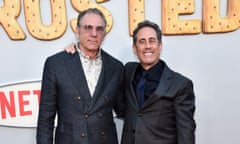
152 78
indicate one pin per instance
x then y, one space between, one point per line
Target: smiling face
147 47
91 33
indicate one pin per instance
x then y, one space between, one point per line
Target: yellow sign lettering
171 9
136 13
212 22
34 22
8 19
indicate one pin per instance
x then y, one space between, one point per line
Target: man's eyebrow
141 39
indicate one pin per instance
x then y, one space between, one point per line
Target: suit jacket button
139 115
86 115
83 134
100 115
133 130
106 97
79 98
102 133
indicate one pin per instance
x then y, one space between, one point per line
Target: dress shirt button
106 97
79 98
100 115
83 134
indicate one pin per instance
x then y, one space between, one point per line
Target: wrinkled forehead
92 19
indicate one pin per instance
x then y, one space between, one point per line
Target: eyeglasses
89 29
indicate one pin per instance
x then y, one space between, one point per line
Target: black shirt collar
153 74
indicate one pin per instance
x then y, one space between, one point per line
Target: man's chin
93 47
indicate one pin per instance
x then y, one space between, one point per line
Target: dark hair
147 23
91 10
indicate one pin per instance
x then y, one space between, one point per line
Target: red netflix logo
19 104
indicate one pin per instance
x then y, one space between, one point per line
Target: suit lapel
130 78
77 75
165 81
99 88
162 88
104 77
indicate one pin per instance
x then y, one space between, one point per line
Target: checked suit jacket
81 119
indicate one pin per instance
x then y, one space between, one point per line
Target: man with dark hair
81 89
159 102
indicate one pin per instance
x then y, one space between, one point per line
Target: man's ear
160 47
77 31
134 49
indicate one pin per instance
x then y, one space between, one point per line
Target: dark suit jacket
81 119
166 117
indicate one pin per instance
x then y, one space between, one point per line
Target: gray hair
91 10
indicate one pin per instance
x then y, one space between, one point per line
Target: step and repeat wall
200 40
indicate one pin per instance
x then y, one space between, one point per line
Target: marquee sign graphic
19 104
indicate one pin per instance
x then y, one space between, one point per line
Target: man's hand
70 48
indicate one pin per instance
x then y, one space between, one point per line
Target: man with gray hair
81 89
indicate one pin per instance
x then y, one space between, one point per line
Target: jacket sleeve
119 108
47 108
184 107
